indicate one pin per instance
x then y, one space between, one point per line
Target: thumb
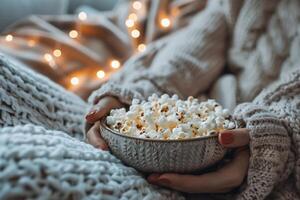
102 108
234 138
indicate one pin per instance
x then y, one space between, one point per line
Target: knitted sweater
259 40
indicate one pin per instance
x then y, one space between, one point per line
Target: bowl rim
104 125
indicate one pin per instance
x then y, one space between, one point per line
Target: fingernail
153 178
226 138
104 147
90 113
164 181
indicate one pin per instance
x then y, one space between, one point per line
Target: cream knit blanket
41 152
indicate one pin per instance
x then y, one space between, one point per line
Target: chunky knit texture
38 157
37 163
27 97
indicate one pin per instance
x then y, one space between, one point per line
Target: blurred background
79 44
13 10
54 38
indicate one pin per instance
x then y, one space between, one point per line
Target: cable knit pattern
178 66
36 163
27 97
262 36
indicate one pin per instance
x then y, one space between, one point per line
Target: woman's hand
101 109
223 180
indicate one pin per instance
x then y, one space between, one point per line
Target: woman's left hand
223 180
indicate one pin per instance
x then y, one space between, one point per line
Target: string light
132 16
129 23
141 47
135 33
100 74
52 64
74 80
31 43
165 22
115 64
57 53
82 16
73 34
137 5
9 38
48 57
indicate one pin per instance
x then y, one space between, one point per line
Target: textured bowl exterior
158 156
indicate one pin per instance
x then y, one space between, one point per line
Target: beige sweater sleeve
185 62
273 120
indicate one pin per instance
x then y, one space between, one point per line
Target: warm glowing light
57 53
100 74
115 64
52 64
9 38
73 34
137 5
31 43
132 16
165 22
129 23
74 80
48 57
141 47
135 33
82 16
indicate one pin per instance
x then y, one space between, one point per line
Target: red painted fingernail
153 178
105 147
102 147
90 114
164 181
226 138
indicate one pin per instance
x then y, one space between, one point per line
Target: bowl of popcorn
166 134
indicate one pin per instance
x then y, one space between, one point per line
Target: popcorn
168 117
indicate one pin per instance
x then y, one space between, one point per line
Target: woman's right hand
101 109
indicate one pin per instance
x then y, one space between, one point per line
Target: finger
223 180
98 112
95 139
102 108
234 138
236 170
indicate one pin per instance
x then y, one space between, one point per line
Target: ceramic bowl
159 156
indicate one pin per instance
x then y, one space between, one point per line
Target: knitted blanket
41 152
